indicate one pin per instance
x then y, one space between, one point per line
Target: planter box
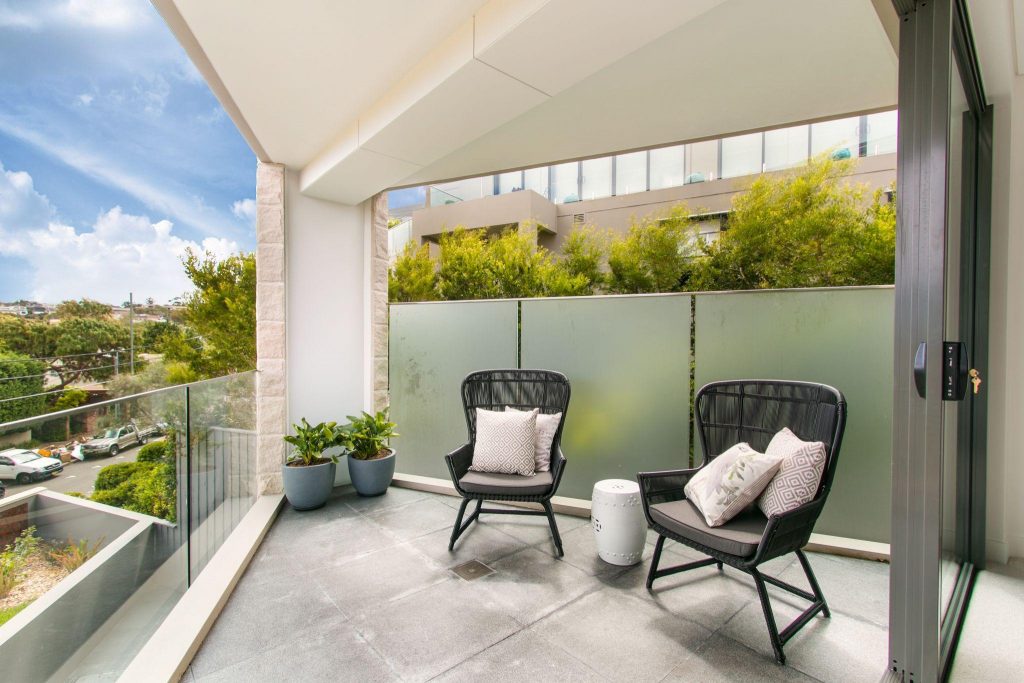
48 635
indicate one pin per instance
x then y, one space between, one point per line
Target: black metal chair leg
458 523
554 527
652 573
813 581
769 616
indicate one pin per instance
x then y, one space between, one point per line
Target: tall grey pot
308 488
372 477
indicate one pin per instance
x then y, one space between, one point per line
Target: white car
25 466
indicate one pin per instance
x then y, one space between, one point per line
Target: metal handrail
46 417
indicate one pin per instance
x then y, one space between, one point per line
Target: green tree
83 308
413 277
808 228
584 254
220 315
73 349
20 376
464 271
150 337
656 255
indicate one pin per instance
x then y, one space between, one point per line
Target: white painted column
271 346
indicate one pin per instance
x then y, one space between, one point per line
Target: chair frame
785 533
460 459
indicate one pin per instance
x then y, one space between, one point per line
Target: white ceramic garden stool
618 520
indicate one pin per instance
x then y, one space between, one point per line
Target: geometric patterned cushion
505 442
547 425
803 464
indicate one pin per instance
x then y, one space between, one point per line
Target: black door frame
935 37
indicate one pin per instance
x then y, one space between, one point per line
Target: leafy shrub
13 558
112 476
146 487
412 278
74 555
158 451
368 435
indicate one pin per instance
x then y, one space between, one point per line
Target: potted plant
308 472
371 462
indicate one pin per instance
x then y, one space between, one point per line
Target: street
77 476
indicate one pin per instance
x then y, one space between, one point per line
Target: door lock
954 371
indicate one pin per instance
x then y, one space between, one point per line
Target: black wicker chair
752 411
494 390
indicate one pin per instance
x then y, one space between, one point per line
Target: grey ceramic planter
372 477
308 488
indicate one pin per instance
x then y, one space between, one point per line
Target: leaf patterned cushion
547 425
505 442
796 483
731 482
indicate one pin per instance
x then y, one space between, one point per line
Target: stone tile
187 677
431 631
333 651
705 595
259 616
479 542
580 548
532 584
393 498
622 637
722 660
327 542
993 630
859 588
841 648
531 530
416 519
395 572
523 657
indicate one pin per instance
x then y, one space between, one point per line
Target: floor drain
472 570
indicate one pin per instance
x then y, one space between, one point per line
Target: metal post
188 487
131 331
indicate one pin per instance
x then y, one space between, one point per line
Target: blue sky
114 155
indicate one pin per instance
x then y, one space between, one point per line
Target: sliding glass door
942 319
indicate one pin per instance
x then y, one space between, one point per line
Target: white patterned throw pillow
731 482
547 425
505 442
798 478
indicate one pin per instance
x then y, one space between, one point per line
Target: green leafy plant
310 442
368 435
14 557
158 451
74 555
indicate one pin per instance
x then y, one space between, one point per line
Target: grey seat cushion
739 536
507 484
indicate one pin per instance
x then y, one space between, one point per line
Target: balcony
362 590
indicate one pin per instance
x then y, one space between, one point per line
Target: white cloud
21 206
246 210
103 13
118 253
190 210
85 98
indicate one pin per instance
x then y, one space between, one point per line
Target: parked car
114 440
25 466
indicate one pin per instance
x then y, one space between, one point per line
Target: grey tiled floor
360 590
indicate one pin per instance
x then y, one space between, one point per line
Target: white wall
325 247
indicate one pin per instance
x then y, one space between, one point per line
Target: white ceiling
362 96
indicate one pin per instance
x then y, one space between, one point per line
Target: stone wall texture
379 298
271 347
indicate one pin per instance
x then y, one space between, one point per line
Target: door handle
920 369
